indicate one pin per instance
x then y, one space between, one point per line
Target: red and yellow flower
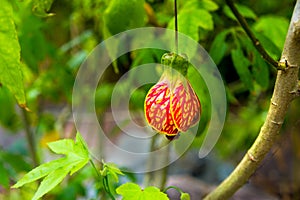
171 105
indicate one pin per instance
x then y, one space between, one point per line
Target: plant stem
30 138
158 178
104 179
251 35
286 84
173 187
107 188
95 168
176 26
150 162
165 170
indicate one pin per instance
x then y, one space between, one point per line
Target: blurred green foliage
48 40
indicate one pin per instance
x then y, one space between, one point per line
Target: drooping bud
171 105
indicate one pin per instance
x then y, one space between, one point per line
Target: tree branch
286 81
252 37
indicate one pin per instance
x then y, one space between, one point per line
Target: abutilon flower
171 105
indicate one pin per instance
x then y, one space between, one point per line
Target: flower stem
176 26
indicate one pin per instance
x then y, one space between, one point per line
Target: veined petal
157 109
185 105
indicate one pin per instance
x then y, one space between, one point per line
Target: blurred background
56 37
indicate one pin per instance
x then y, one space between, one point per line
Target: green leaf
204 4
219 47
153 193
269 46
122 15
244 10
52 180
260 70
81 146
77 156
273 27
10 66
64 146
41 8
129 191
113 170
40 172
132 191
79 165
185 196
189 21
241 64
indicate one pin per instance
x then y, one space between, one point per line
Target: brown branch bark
298 90
285 86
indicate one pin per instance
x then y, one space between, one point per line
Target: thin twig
251 35
176 26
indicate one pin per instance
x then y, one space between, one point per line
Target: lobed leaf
52 180
81 146
78 164
129 191
40 172
77 156
153 193
132 191
64 146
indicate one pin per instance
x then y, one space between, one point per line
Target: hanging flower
171 105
